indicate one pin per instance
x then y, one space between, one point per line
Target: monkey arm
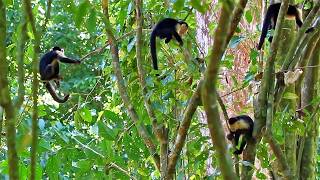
68 60
243 144
236 138
178 38
230 136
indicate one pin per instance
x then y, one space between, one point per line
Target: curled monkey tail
54 94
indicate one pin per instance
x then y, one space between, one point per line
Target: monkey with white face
49 70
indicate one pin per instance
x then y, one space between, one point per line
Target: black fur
270 20
165 29
49 70
246 132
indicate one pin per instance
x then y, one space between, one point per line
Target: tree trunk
309 92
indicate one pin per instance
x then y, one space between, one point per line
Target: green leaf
105 131
9 3
178 5
197 5
260 175
86 115
91 21
254 54
4 167
82 12
23 171
53 167
248 16
84 165
111 115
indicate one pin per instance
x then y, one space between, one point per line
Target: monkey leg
57 80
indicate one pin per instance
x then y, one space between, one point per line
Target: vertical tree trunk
290 145
309 92
5 99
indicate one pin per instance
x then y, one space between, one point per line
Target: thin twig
99 50
233 91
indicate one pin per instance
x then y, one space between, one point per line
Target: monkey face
183 29
60 52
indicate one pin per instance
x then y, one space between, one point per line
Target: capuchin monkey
167 28
270 20
49 70
240 126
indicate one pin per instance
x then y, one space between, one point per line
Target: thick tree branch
161 132
122 88
5 99
194 102
266 95
157 130
236 17
310 47
209 96
35 87
20 60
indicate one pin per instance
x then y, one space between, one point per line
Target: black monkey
240 126
49 70
167 28
270 20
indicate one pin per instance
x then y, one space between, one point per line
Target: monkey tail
54 94
153 49
265 28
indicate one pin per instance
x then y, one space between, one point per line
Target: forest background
122 122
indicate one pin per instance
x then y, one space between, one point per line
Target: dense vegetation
124 122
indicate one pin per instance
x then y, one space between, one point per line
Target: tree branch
209 96
20 60
290 56
122 88
5 99
265 111
35 87
194 102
